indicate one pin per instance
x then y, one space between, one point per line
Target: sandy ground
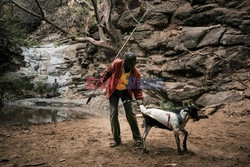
218 141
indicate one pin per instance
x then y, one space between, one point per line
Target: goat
171 120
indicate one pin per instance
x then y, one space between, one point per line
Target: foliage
14 87
13 36
82 10
40 87
92 21
169 106
12 32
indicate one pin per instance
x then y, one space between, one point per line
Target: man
118 74
55 88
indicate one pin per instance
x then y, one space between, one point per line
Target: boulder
179 91
222 97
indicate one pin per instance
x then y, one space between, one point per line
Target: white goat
171 120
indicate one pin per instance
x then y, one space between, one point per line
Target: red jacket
113 73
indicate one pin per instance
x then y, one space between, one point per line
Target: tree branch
41 10
103 17
98 19
110 29
43 18
126 5
3 3
100 43
96 11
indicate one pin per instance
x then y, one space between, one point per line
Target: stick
91 96
131 33
122 48
38 164
126 41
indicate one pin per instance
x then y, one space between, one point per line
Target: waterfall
49 62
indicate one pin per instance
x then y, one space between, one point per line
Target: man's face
129 64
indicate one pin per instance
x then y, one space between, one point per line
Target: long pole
122 48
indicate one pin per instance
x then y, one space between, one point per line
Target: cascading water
47 63
44 64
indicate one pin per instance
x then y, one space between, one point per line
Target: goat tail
143 109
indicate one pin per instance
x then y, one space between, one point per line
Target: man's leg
115 126
131 117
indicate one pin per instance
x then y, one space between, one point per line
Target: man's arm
137 91
106 75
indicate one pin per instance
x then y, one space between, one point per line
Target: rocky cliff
199 49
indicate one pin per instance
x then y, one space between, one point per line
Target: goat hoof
145 151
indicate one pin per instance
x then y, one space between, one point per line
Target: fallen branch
36 164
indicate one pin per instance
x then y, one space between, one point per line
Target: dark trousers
131 118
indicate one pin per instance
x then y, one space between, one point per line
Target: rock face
198 48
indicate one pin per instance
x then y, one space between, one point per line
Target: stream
43 65
48 110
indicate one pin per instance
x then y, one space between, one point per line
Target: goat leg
145 134
177 139
185 139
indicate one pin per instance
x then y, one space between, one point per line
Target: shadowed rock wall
199 48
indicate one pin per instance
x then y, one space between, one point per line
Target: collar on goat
179 117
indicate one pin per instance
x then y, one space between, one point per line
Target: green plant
27 42
92 21
13 87
82 10
168 106
40 87
13 33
